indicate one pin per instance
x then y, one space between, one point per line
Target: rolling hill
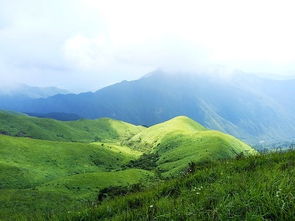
42 171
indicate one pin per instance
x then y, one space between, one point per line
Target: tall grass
252 188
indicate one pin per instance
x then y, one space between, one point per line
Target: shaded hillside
82 130
57 116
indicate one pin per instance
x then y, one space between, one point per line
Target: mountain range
254 109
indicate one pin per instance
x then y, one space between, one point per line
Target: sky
83 45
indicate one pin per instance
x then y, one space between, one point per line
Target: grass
64 194
86 186
258 187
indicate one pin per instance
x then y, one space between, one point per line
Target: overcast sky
86 44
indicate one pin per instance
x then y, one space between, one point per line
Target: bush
112 192
146 162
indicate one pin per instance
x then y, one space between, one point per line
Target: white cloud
229 32
82 42
88 52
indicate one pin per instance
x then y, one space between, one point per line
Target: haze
83 45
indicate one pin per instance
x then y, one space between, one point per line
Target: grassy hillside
79 131
254 188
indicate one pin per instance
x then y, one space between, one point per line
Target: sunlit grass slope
259 187
26 162
103 129
152 136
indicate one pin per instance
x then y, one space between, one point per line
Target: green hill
103 129
177 150
175 143
179 141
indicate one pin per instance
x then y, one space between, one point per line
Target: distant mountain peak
154 73
25 90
